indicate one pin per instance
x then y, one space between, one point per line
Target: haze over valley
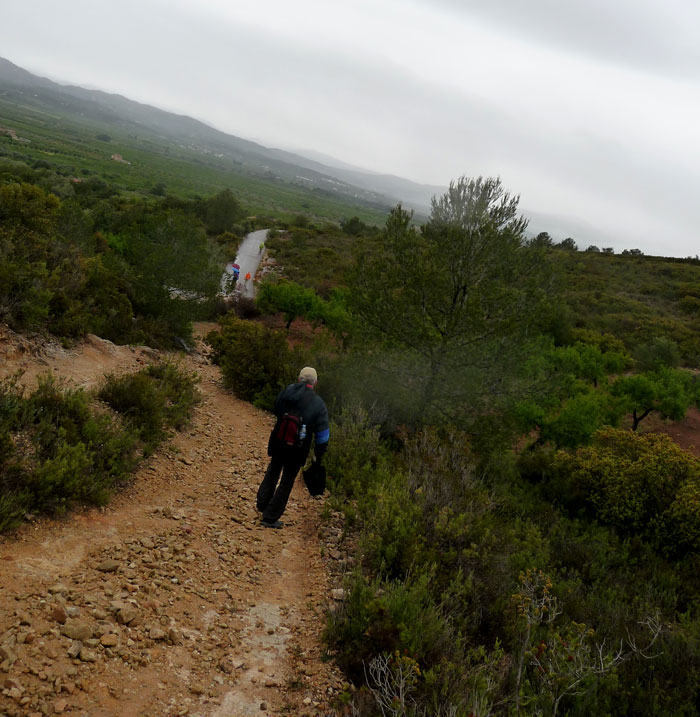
587 112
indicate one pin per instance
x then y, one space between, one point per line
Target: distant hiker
261 247
247 277
301 414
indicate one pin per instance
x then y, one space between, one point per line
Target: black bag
315 478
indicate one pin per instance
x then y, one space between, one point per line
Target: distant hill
382 191
308 169
412 194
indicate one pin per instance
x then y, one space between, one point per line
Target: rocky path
172 600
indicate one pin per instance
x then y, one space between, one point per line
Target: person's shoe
267 524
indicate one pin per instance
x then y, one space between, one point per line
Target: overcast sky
589 109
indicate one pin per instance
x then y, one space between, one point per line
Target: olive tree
669 392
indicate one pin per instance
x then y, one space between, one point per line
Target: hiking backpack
291 427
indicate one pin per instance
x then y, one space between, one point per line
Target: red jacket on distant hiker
297 401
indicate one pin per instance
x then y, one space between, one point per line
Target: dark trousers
272 498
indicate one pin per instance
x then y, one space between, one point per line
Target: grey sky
589 109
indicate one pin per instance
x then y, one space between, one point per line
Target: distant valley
129 120
140 126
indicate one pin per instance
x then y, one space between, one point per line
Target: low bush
442 545
255 361
71 452
137 398
14 496
179 389
354 452
642 484
152 401
59 447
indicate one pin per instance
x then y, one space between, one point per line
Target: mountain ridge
131 115
307 168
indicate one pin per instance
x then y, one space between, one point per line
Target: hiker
301 414
261 247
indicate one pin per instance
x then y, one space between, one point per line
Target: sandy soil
685 433
172 600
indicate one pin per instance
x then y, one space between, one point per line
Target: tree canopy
450 304
668 391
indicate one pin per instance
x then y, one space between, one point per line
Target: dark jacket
301 398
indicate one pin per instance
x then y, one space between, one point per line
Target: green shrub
64 478
12 404
440 549
577 420
13 507
59 415
679 529
69 451
347 631
354 452
410 621
153 401
690 305
394 536
74 451
384 617
179 389
660 353
255 361
65 418
14 497
114 449
642 484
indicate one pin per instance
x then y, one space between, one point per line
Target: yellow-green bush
642 484
680 527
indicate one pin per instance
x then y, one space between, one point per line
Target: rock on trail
172 600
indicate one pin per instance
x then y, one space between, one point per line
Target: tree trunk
429 389
636 420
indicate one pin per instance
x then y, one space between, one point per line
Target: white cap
308 375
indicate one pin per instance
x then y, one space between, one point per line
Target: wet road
248 258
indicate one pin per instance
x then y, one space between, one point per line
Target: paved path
249 256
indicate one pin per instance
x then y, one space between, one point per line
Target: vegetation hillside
635 297
77 132
524 545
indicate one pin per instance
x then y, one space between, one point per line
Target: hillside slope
117 113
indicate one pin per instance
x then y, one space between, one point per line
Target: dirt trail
172 600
